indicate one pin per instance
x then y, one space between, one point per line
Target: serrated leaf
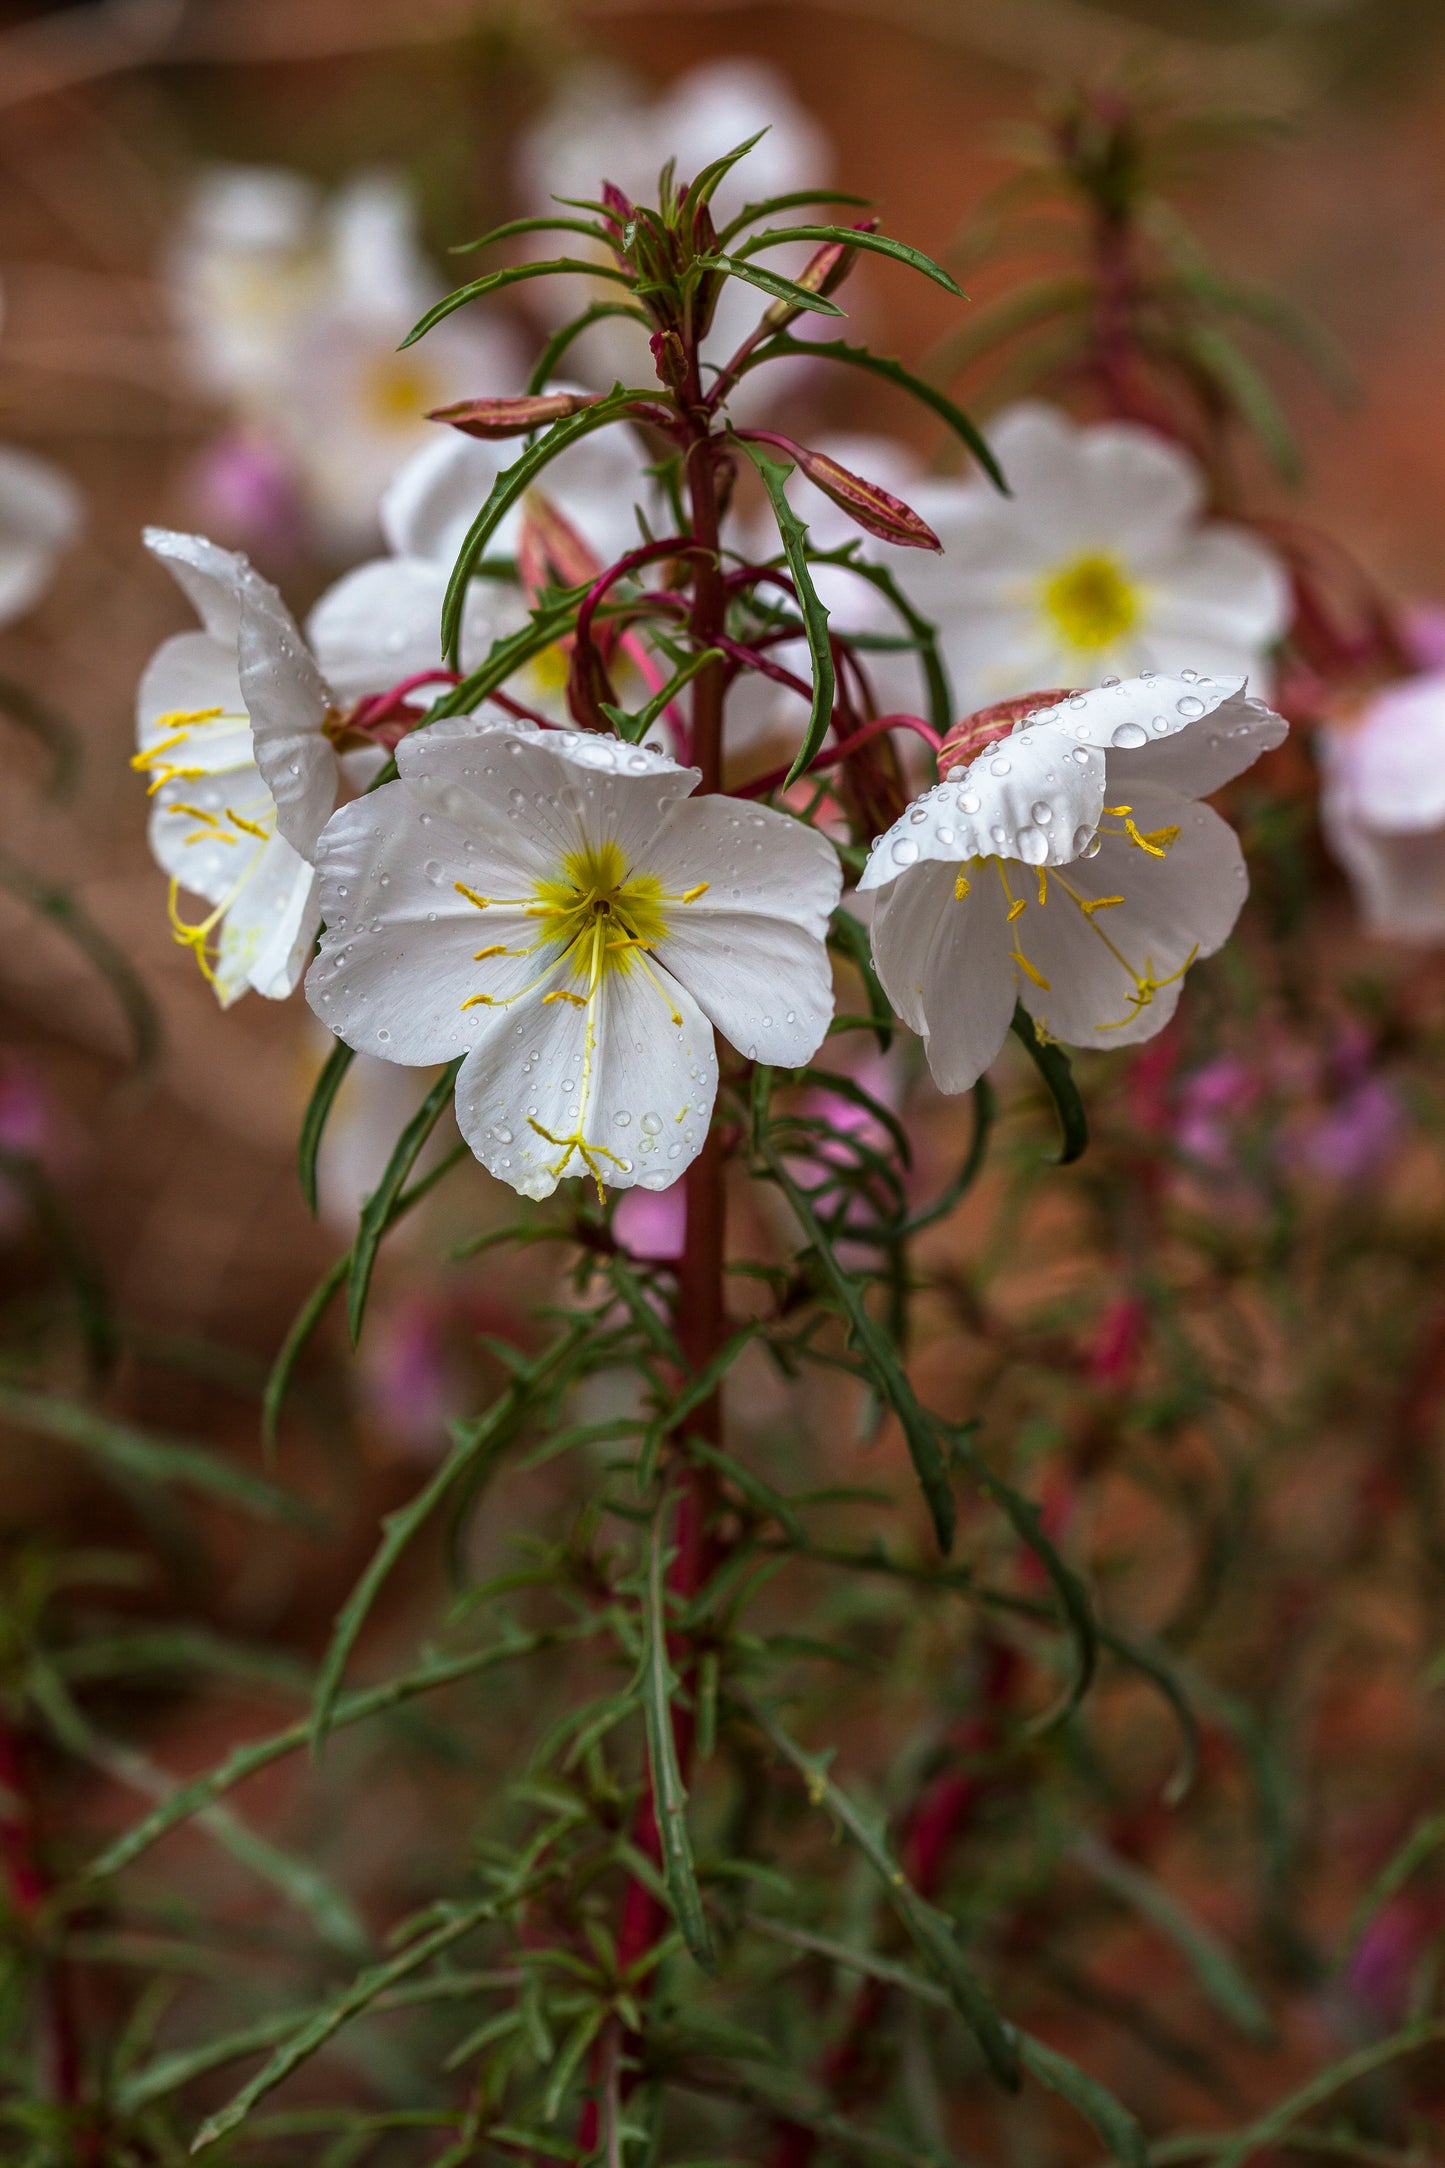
793 200
705 186
793 534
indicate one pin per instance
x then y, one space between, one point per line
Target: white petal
288 700
40 515
212 579
190 674
1388 771
267 934
1219 583
192 837
1176 909
547 794
382 623
427 510
1035 796
1193 735
944 966
752 949
633 1074
1398 875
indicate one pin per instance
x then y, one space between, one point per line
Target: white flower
602 127
976 910
382 622
40 513
1098 565
1383 807
230 727
555 907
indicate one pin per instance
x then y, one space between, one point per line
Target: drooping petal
1035 796
1191 734
549 794
1398 875
619 1088
1388 771
194 837
268 931
190 675
288 701
751 948
212 579
41 516
944 964
1113 973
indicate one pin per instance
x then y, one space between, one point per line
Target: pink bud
511 417
874 508
985 726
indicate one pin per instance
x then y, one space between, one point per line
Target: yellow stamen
1043 886
1024 965
1091 601
479 1001
250 828
1099 903
1020 904
498 948
961 887
690 895
560 993
471 895
1156 844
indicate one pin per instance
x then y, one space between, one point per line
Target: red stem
760 785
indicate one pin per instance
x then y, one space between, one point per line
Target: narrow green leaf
634 728
793 201
880 244
513 275
139 1454
546 363
1213 1967
350 2003
1272 2127
1107 2117
985 1110
794 535
1426 1837
705 187
922 635
313 1123
512 483
1234 375
773 284
515 226
303 1325
479 1441
881 1358
669 1793
1039 302
379 1209
931 1931
752 1486
892 372
1057 1071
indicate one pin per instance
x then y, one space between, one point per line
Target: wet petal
288 700
944 964
1035 796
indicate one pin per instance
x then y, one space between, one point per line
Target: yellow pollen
690 895
1099 903
250 828
471 895
1033 972
479 1001
1018 905
961 887
1043 886
1156 843
1091 603
498 948
559 993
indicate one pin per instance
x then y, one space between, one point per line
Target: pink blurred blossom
1211 1101
245 491
650 1223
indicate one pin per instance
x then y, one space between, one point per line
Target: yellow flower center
397 389
547 672
1091 603
599 914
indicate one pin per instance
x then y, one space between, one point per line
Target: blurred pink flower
1210 1103
1382 807
1350 1139
650 1223
245 493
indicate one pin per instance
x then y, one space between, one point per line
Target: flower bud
823 273
511 417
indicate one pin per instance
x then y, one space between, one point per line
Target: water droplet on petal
1042 813
652 1123
1083 837
967 801
1128 735
919 813
945 836
1109 681
1190 677
1000 767
1189 706
1159 725
905 850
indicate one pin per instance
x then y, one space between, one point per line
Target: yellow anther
471 895
1030 970
479 1001
184 719
250 828
591 1153
961 887
560 993
1146 987
498 948
1019 904
1043 885
142 761
1118 811
690 895
199 813
1157 844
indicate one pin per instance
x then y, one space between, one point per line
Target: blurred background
170 340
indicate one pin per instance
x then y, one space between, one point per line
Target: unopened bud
669 359
985 726
511 417
823 273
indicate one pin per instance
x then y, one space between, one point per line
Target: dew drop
622 1120
383 1036
1159 725
1190 706
967 801
1190 677
904 851
1042 813
1032 846
1080 753
946 836
1083 837
919 813
1109 681
1000 767
503 1136
652 1123
1128 735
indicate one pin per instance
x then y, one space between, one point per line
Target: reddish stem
28 1887
760 785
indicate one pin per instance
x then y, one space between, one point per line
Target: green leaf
634 728
546 363
772 283
493 282
923 636
1057 1071
318 1108
380 1208
892 372
63 912
932 1932
878 1352
705 187
1426 1837
657 1682
849 937
1272 2126
350 2003
1234 375
478 1442
794 535
985 1110
303 1325
512 483
1106 2116
879 244
796 197
1211 1963
515 226
139 1454
758 1493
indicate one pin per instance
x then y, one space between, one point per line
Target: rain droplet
622 1120
919 813
1092 848
1109 681
1042 813
1190 677
1083 837
1190 706
1080 753
967 801
652 1123
433 870
1159 725
503 1136
905 850
945 837
383 1036
1000 767
1128 735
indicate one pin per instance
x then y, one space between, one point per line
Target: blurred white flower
230 724
382 623
976 914
293 307
603 126
40 516
555 907
1383 807
1098 565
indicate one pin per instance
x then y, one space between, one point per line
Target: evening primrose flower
1096 565
1383 807
231 723
555 907
39 518
1069 866
382 622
